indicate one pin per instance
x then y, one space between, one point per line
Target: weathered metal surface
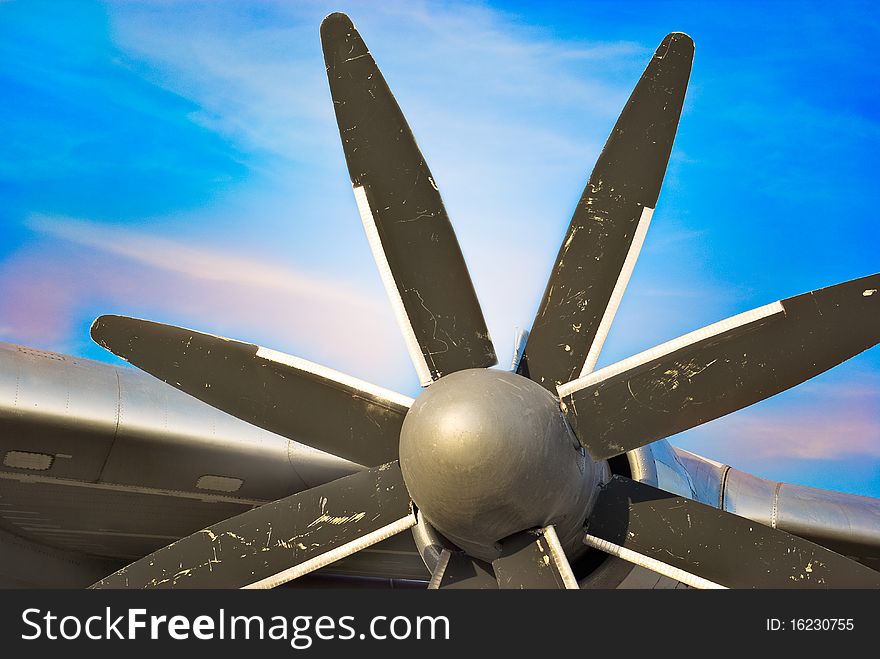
455 569
606 232
533 559
714 545
706 475
846 523
167 439
41 391
142 494
283 394
722 368
649 464
279 541
487 453
416 249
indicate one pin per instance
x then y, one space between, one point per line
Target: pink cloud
811 436
77 267
833 417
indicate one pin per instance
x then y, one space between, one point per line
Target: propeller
510 475
534 559
531 559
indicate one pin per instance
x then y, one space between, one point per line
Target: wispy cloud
201 263
832 417
262 81
80 265
511 152
810 436
256 78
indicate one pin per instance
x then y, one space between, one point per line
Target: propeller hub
486 454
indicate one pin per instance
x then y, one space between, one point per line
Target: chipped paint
669 347
337 520
283 539
335 554
650 563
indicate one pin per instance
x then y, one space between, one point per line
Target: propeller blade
300 400
609 224
721 368
270 545
708 548
533 559
409 232
458 570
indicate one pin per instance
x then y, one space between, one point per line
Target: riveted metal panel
168 439
58 405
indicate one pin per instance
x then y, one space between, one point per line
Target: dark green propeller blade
609 224
709 548
406 224
721 368
305 402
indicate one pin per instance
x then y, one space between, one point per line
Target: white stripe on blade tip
409 335
336 376
670 346
623 278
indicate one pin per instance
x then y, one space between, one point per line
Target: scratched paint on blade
277 537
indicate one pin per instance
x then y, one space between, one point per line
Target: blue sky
180 162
